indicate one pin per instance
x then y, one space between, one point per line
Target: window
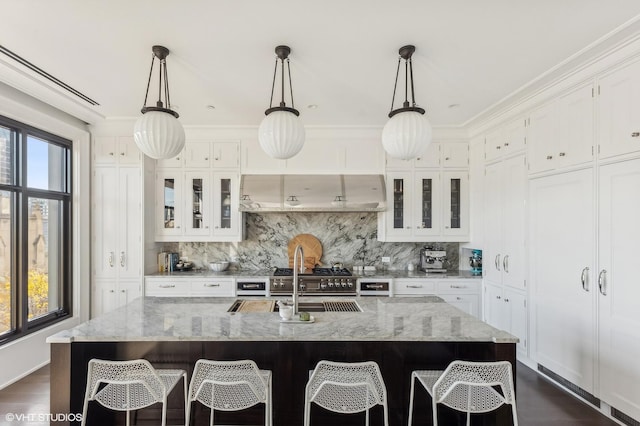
35 229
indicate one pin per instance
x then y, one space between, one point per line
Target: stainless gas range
317 281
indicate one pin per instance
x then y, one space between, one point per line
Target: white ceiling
344 52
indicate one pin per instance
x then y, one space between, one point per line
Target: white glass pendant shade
406 135
159 135
281 134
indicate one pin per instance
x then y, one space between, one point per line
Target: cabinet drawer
168 288
467 287
401 287
469 303
213 287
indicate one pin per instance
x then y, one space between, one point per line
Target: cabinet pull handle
122 258
167 285
111 256
497 262
549 157
414 286
374 286
583 278
212 285
505 263
457 286
635 134
601 282
562 154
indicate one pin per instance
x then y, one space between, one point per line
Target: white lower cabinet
506 308
189 287
463 294
107 295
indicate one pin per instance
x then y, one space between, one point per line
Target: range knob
330 283
323 285
349 283
344 284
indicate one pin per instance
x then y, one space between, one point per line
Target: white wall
22 356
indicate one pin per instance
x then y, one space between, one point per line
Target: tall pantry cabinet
116 222
505 292
583 240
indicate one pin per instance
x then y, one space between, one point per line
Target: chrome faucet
295 275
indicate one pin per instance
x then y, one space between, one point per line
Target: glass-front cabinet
197 206
424 205
226 217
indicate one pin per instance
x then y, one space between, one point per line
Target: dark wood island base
290 362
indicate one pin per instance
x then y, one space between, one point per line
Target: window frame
21 193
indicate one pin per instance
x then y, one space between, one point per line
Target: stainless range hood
312 193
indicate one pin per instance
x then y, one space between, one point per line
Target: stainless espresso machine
433 260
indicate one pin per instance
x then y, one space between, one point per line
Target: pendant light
281 134
407 134
158 133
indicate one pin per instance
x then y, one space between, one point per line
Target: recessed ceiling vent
44 74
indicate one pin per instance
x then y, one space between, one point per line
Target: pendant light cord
273 84
395 86
413 92
290 86
166 83
149 81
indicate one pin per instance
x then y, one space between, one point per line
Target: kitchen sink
319 306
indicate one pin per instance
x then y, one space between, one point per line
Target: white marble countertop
399 273
206 319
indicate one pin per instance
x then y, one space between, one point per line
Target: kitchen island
401 334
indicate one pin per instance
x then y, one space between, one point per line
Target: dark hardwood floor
539 402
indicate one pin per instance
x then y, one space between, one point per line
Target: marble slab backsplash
350 238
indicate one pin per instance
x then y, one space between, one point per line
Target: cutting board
256 306
312 250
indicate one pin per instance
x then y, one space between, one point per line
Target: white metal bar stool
346 388
471 387
230 386
129 385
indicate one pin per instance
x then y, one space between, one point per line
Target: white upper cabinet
226 154
425 205
321 153
561 133
197 205
205 153
438 154
116 150
619 111
506 140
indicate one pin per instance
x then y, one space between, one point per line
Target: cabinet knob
506 300
178 158
549 157
206 158
178 226
498 147
506 144
112 291
635 134
498 297
446 158
418 158
562 154
408 227
216 158
123 291
122 154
